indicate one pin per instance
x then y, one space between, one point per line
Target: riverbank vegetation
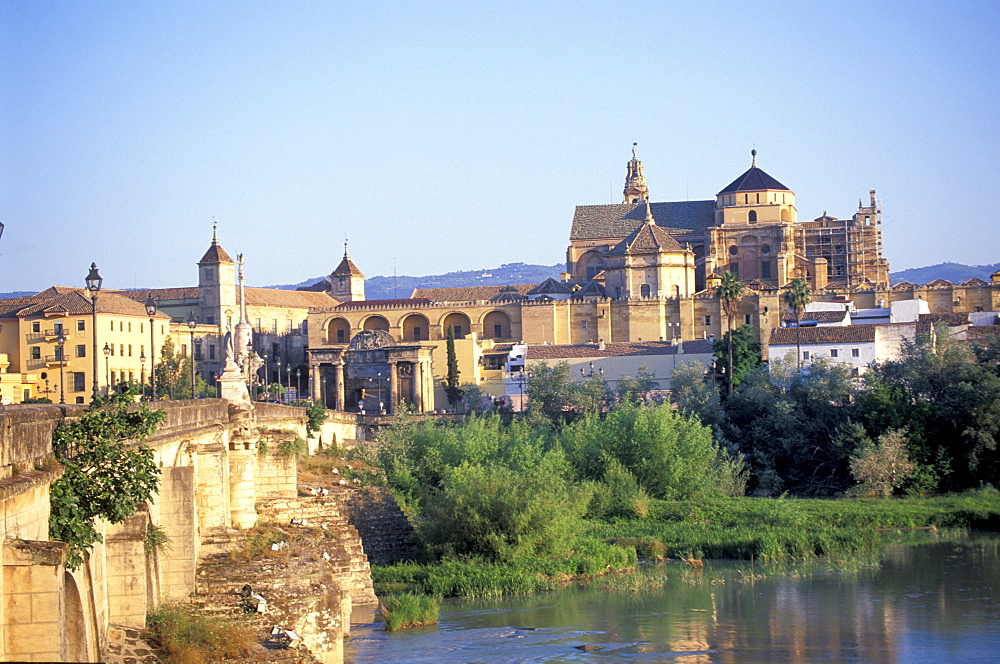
589 481
408 610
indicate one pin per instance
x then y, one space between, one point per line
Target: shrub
881 467
189 638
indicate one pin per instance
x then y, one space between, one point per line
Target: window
765 269
81 325
417 331
211 352
184 350
121 349
121 326
498 331
583 325
79 399
79 381
112 326
112 348
805 355
644 290
833 352
36 327
130 350
748 319
130 326
733 250
59 354
114 377
291 326
210 320
708 320
752 215
57 328
81 350
142 351
36 353
304 327
855 352
765 249
341 338
274 326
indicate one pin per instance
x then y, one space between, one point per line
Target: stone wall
212 479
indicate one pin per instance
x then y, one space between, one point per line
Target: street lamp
142 374
151 312
107 371
61 343
288 377
94 283
267 386
298 384
584 374
192 323
277 361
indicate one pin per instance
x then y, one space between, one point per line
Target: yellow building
48 340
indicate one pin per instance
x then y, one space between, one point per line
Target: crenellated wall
213 473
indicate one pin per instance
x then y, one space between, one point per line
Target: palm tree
797 295
730 292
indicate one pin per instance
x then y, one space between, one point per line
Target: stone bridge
212 478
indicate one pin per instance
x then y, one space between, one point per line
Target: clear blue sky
460 135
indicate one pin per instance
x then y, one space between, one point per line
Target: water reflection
924 603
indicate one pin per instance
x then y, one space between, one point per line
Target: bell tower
347 283
217 285
635 182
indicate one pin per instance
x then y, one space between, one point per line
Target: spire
243 300
753 154
635 183
215 253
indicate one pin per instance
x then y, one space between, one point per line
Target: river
937 601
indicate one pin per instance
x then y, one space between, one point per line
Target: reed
408 610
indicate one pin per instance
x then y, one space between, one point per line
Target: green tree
797 295
173 373
730 292
637 389
451 388
883 466
742 348
108 471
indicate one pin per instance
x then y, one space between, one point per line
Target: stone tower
217 286
635 182
347 283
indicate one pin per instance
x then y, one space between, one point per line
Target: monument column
393 387
314 383
338 367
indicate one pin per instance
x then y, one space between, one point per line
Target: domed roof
753 180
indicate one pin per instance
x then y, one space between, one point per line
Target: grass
409 610
190 639
793 529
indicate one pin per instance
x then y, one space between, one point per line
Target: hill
956 273
400 286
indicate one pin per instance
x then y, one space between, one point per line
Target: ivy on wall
108 474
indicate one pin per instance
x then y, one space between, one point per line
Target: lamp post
61 343
288 377
298 384
267 386
151 312
142 374
94 283
277 361
107 370
584 374
192 323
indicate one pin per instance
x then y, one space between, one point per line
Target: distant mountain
13 294
956 273
401 286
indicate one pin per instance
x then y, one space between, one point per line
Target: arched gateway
374 369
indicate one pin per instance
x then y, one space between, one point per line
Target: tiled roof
186 293
818 316
754 179
398 303
550 286
215 253
618 221
75 302
951 318
589 289
272 297
466 293
347 268
499 349
789 336
974 281
569 351
647 238
508 294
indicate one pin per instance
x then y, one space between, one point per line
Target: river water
937 601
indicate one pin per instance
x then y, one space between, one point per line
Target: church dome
753 179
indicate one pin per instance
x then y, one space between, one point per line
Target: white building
857 346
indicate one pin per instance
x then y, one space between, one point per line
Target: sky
442 136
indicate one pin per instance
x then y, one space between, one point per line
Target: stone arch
376 322
415 327
459 322
496 325
338 331
75 631
748 240
784 214
590 263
